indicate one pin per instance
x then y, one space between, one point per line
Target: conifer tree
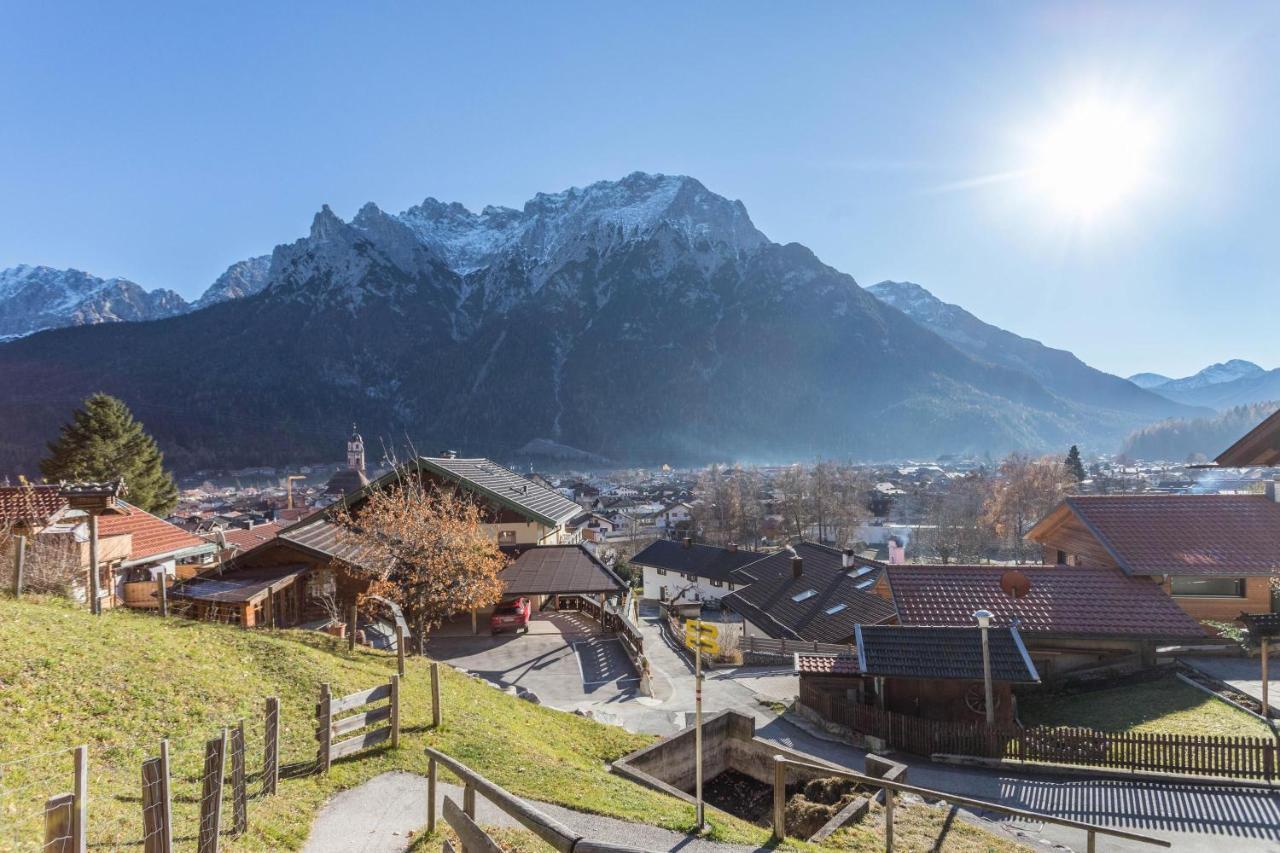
1074 466
104 442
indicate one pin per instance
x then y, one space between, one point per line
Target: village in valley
459 427
1102 618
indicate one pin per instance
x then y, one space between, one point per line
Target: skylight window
862 570
833 610
869 582
804 596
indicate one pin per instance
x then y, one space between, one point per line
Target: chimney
448 454
846 559
797 567
686 541
733 547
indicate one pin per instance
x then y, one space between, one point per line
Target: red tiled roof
816 664
151 536
1063 600
242 540
1233 535
31 502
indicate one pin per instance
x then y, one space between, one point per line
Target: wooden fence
331 724
1198 755
787 648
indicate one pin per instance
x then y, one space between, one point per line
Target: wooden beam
359 721
362 697
470 835
359 742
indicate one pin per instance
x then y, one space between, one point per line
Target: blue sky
163 143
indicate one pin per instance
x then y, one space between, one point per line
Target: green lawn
121 681
1166 706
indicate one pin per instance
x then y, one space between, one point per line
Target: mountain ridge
644 319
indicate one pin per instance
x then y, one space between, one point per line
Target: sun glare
1093 157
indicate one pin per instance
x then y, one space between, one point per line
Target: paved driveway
1244 674
563 660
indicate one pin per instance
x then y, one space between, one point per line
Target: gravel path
383 814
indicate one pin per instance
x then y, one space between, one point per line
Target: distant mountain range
1220 386
35 298
640 320
1196 439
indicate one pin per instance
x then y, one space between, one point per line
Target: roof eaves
1102 539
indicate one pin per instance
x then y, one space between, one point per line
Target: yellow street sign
708 630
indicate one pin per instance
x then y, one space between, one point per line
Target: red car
511 616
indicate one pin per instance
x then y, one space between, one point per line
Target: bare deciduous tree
1022 492
433 555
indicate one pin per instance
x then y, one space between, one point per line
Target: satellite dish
1015 584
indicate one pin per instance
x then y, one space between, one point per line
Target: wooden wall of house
944 699
1076 540
1257 599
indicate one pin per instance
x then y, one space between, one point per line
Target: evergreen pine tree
104 442
1074 466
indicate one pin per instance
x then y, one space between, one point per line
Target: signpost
700 638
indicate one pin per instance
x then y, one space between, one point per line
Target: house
674 515
691 571
1215 555
927 672
809 592
1068 620
144 548
133 545
1258 447
308 569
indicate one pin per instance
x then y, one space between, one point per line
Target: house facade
1215 555
690 572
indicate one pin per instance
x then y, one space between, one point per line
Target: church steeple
355 451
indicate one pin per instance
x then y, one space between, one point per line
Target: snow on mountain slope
243 278
33 298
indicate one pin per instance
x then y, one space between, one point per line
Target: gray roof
558 569
321 535
953 653
238 587
704 561
488 478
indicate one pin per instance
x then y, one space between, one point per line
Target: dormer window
804 596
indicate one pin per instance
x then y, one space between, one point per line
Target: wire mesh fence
37 801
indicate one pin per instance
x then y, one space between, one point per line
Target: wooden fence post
431 795
400 650
888 819
436 714
351 626
395 711
239 796
779 798
19 563
156 805
59 824
469 800
162 593
324 727
271 746
215 759
80 818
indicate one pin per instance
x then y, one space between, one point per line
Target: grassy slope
1166 706
123 680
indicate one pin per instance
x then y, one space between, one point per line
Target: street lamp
984 622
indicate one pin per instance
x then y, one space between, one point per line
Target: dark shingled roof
704 561
562 569
236 588
841 598
321 535
503 485
896 651
1182 535
1063 601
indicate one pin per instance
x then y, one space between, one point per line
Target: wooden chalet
1215 555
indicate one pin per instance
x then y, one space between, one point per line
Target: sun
1092 157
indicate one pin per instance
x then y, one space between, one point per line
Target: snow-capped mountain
33 298
243 278
1223 386
644 319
